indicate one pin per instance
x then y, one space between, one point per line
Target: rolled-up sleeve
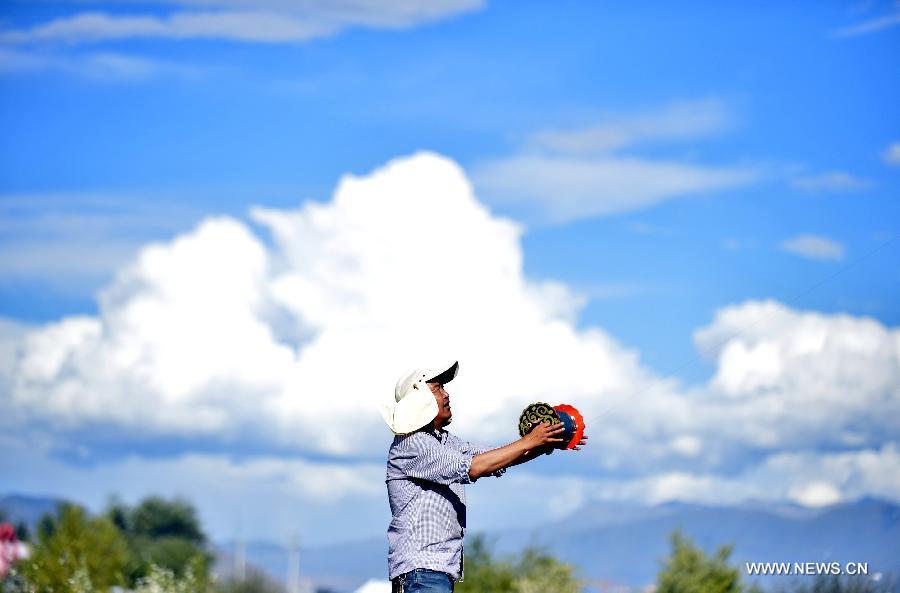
474 450
422 457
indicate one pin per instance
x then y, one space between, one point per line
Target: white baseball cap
414 405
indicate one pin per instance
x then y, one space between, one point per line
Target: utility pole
240 560
293 576
240 554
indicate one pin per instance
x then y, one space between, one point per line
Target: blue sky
663 162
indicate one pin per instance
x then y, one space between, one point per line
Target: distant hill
626 546
621 544
18 507
612 544
343 567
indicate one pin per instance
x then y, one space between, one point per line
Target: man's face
443 401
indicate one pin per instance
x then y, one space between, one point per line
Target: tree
539 572
158 518
846 584
689 570
484 573
161 533
531 571
71 545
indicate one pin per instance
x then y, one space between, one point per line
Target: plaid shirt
426 471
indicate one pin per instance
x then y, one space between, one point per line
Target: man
426 471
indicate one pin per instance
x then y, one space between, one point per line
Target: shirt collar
438 434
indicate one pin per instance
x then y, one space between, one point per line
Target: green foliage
539 572
254 582
22 532
163 580
161 533
156 517
846 584
14 582
689 570
75 553
156 547
46 525
532 571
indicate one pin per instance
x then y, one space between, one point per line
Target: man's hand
580 444
544 434
540 440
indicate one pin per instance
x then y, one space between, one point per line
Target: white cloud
785 377
291 344
91 27
679 120
260 497
71 266
95 66
870 26
564 175
831 181
735 244
242 21
891 154
375 13
213 334
73 243
809 478
562 188
815 494
814 247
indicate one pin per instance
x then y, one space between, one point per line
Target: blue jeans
423 580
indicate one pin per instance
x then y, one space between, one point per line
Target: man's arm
525 449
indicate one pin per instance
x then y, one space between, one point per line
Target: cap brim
445 376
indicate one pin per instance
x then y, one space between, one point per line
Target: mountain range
615 545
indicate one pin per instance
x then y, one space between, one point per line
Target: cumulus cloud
563 175
810 479
830 181
178 332
788 378
214 334
814 247
290 341
241 21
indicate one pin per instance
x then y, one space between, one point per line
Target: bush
254 582
689 570
161 533
75 554
163 580
531 571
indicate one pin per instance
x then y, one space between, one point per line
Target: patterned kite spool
570 417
